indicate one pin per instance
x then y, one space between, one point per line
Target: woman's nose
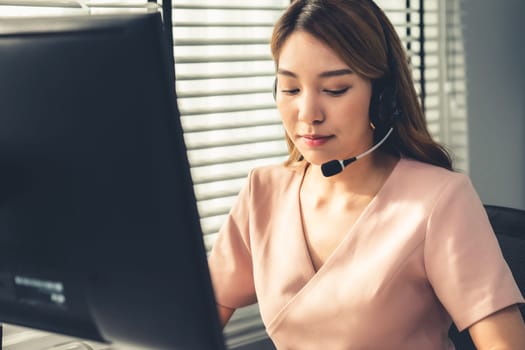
309 109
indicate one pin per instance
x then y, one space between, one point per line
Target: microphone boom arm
334 167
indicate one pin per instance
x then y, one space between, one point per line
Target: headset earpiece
388 107
274 91
384 108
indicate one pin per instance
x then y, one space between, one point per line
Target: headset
384 108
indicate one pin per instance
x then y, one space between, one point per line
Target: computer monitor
99 229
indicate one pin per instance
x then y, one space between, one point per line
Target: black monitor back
99 231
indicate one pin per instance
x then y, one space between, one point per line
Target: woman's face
323 103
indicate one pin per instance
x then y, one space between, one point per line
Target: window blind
224 76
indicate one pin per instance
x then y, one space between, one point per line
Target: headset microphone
334 167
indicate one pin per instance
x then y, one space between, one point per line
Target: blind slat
34 3
227 110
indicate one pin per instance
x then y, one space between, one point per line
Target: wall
495 60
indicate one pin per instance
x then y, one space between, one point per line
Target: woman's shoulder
422 190
275 174
426 173
273 180
427 181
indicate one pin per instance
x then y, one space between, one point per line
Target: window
224 77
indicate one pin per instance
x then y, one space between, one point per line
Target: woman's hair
362 36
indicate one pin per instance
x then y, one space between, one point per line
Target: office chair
509 226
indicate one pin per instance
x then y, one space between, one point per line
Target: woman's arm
503 330
224 314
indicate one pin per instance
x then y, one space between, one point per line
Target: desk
245 331
20 338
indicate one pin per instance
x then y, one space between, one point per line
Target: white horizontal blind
224 76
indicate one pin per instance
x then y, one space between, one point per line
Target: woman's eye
290 91
338 92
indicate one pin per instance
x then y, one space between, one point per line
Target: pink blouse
421 254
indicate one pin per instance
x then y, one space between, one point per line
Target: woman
382 253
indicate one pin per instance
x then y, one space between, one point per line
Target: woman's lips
315 140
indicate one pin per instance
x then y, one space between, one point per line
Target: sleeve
463 259
230 260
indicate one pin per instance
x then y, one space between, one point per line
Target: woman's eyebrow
327 74
286 72
335 73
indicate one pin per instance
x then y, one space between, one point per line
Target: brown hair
360 33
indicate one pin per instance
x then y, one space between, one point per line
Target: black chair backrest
509 226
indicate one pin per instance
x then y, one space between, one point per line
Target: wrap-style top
421 255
